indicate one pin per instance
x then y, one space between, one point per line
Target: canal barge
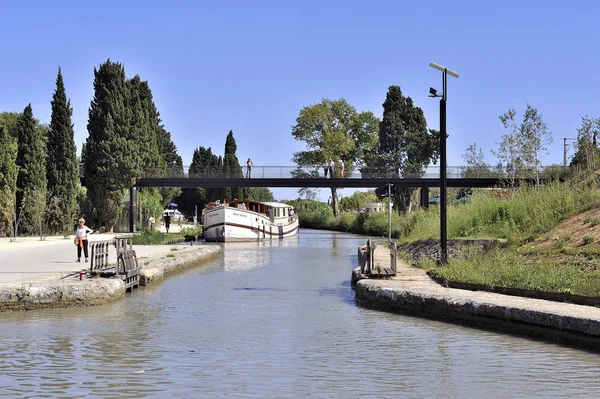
248 221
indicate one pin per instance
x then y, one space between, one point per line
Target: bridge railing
286 172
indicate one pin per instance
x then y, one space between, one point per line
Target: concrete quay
412 292
38 274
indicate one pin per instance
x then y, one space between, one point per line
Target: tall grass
515 269
532 211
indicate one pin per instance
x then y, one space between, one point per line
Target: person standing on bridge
331 165
81 233
325 168
249 165
341 163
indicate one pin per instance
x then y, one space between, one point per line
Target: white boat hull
228 224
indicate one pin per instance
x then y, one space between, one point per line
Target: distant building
373 207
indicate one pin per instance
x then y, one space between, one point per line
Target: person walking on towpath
249 165
81 233
167 220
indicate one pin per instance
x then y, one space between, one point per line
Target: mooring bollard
191 243
81 275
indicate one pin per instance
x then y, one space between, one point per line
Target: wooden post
371 253
394 256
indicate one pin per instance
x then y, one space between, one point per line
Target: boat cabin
274 210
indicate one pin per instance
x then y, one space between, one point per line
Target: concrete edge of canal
70 291
413 292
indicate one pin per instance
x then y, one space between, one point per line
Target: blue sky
250 66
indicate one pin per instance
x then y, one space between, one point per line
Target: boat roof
277 204
271 204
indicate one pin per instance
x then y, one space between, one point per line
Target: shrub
318 219
345 222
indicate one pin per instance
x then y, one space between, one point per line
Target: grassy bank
570 270
534 257
528 213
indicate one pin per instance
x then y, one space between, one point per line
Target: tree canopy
112 160
333 129
406 147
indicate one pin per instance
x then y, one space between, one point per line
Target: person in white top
249 165
81 233
341 168
331 165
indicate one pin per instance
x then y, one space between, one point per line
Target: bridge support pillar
132 208
424 197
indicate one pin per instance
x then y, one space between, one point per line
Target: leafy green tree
557 172
31 178
262 194
587 147
8 179
357 200
308 193
113 160
536 138
333 129
9 120
509 151
62 171
406 147
475 160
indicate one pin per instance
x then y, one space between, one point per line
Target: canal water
273 320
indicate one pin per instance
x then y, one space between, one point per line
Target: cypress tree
231 168
174 164
113 160
144 123
8 179
142 130
31 178
404 142
62 170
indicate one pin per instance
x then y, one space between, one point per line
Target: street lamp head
433 92
442 69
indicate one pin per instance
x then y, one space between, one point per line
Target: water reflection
240 256
272 319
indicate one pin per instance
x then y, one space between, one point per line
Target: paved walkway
413 290
30 259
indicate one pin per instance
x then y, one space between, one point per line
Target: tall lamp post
443 203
